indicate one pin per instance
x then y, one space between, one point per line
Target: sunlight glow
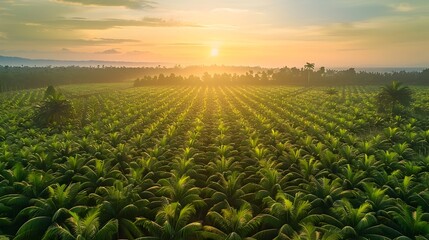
214 52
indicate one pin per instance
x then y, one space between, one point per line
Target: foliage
55 109
50 91
331 91
230 162
394 98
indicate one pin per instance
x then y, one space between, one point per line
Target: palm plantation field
198 162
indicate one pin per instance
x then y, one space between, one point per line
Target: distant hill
18 61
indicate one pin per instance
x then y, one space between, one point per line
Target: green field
235 162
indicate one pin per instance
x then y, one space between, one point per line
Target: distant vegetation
15 78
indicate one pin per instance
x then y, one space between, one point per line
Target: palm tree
171 223
323 192
54 110
272 181
357 223
393 97
97 173
413 224
287 214
50 91
228 191
309 67
121 203
49 212
87 228
310 232
232 224
180 189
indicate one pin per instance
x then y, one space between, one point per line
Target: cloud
403 7
136 52
113 40
109 51
230 10
85 23
191 44
380 31
133 4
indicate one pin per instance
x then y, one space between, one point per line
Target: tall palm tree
309 67
394 96
55 109
50 91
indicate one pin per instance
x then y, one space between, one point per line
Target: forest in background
15 78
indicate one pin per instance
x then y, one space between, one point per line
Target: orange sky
273 33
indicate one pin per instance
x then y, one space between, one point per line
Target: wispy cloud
380 31
109 51
403 7
191 44
230 10
136 52
133 4
66 50
114 40
85 23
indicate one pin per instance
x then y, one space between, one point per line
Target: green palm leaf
33 228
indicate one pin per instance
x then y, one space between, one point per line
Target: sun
214 52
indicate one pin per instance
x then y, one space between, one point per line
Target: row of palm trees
215 163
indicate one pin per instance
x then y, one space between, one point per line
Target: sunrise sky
271 33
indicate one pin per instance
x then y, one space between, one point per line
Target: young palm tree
287 214
86 228
121 203
228 191
171 223
49 212
394 96
97 173
357 223
413 224
322 193
232 224
310 232
180 189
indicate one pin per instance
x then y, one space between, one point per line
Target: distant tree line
291 76
15 78
24 77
